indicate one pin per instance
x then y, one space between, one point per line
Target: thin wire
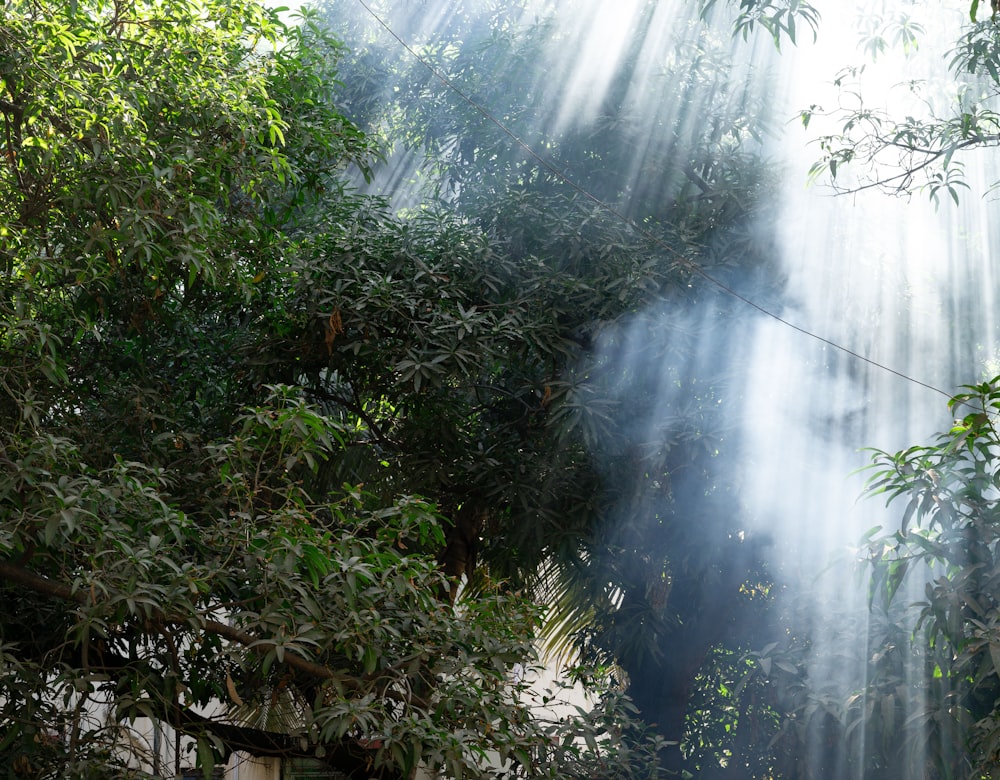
627 220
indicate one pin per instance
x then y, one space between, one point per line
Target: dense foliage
286 466
621 505
207 345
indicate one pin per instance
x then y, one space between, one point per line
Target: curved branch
356 406
930 157
26 578
347 756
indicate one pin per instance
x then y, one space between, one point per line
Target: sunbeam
717 151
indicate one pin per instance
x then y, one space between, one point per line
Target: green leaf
995 655
369 659
206 757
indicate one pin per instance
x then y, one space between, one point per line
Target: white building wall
244 767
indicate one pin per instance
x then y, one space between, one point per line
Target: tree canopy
208 345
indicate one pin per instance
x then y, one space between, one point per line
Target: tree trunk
458 558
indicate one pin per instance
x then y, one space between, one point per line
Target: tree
181 265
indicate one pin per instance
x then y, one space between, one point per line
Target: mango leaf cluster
205 349
944 553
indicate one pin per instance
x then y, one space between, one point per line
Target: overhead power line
551 168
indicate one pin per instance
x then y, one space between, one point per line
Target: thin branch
931 156
357 408
343 755
46 587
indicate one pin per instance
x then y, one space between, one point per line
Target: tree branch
346 756
24 577
900 181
